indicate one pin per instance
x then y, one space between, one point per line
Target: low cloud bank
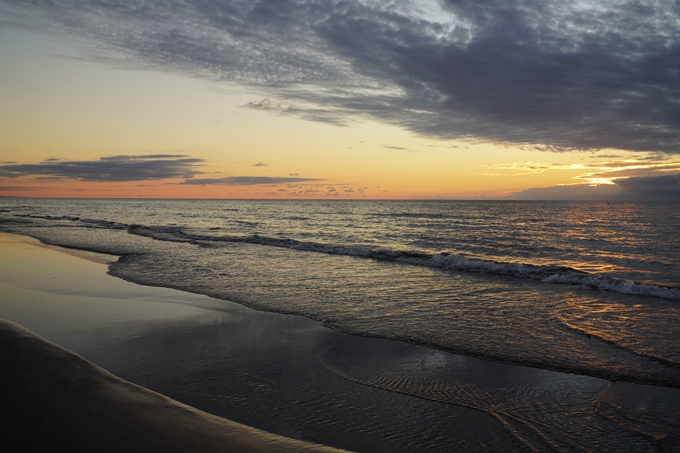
666 187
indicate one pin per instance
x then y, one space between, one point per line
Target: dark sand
54 400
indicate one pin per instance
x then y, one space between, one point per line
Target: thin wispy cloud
595 170
247 180
19 188
528 168
608 156
640 170
398 148
556 74
318 191
110 169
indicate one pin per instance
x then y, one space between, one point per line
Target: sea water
587 288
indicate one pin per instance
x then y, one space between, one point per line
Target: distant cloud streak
247 180
19 188
110 169
554 74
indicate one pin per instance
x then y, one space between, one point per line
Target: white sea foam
546 273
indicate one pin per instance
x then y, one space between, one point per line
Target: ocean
590 290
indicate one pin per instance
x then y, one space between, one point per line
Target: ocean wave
555 274
415 215
47 217
105 223
296 217
552 274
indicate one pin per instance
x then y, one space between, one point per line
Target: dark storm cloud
247 180
553 73
114 168
666 187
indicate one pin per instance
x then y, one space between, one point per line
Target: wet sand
280 373
54 400
283 374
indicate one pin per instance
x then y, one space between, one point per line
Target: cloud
527 168
265 104
652 187
247 180
311 190
557 74
666 187
608 156
19 188
635 171
572 192
595 171
111 169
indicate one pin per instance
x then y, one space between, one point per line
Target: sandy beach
187 372
283 374
54 400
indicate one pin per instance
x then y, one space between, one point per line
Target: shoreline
262 369
53 399
289 375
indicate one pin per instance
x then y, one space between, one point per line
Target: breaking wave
555 274
546 273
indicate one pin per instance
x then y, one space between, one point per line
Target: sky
390 99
